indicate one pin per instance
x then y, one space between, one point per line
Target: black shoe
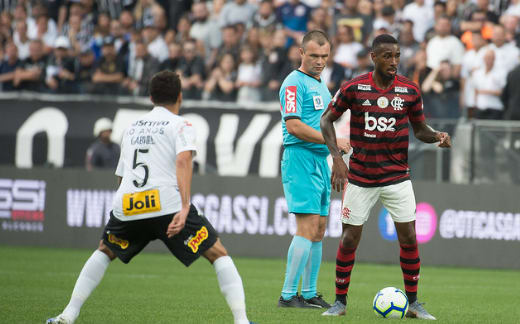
317 301
295 302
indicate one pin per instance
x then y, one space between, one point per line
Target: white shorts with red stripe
398 199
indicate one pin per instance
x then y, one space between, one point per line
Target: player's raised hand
444 140
178 222
339 173
343 144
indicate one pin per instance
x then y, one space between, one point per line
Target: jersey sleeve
341 101
185 138
291 100
120 165
415 113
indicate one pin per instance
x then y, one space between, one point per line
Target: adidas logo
367 103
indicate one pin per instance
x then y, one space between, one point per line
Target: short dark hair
383 39
165 88
315 35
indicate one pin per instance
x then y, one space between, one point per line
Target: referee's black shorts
127 239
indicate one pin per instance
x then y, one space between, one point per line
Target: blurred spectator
294 16
514 8
114 8
274 63
21 39
121 40
253 40
420 69
365 7
156 45
127 22
140 70
20 13
59 75
471 62
31 73
444 46
350 16
84 70
221 83
237 11
103 153
453 13
422 16
364 64
409 48
109 72
174 54
265 17
319 20
346 48
478 23
191 70
183 29
333 74
101 30
483 5
445 86
388 20
43 32
205 29
79 36
488 82
511 95
144 13
177 9
507 55
8 67
230 43
6 23
248 77
510 24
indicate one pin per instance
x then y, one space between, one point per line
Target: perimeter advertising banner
477 226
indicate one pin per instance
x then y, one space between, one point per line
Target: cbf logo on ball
425 224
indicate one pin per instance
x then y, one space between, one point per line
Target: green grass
35 283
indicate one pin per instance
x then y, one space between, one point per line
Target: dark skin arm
426 134
339 168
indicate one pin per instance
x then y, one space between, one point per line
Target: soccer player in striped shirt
381 103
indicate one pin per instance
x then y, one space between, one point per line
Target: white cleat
60 319
416 310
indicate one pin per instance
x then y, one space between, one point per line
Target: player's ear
179 98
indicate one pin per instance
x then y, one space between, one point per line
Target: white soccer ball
390 302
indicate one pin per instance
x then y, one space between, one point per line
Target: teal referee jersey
303 97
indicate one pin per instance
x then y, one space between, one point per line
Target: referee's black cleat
296 301
317 301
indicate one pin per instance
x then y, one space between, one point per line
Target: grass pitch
36 283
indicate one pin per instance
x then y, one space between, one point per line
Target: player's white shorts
398 199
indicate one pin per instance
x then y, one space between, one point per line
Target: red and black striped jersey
378 128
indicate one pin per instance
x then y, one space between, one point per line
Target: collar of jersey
377 88
307 74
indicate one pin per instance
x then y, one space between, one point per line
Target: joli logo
141 202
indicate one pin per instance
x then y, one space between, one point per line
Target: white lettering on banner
270 152
54 124
237 163
228 214
480 225
22 204
90 208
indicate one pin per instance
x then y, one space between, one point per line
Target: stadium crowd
463 53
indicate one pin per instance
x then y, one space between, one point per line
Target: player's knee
349 240
320 233
216 251
103 248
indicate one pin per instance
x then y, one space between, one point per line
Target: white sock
231 287
90 276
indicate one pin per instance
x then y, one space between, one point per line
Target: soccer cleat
337 309
58 320
317 301
296 301
416 310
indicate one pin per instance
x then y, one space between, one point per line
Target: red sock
410 264
344 263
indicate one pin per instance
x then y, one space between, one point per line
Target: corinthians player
381 104
153 202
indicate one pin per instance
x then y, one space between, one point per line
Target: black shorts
127 239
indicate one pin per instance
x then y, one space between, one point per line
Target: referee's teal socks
311 271
297 258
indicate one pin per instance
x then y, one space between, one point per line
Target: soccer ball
390 302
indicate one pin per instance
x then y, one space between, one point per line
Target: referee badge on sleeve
318 102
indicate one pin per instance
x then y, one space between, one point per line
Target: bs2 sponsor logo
22 204
290 100
382 123
194 241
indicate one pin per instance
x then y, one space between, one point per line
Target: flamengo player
153 202
381 103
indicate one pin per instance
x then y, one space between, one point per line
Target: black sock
342 299
412 297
